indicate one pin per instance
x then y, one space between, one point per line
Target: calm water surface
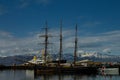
29 75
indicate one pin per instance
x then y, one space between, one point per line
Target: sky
21 23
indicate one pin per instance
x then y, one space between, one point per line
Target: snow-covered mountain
10 60
96 55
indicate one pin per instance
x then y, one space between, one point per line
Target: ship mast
76 41
46 40
60 52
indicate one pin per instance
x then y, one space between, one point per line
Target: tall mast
60 52
76 41
46 40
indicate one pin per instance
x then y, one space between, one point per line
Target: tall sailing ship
45 55
45 65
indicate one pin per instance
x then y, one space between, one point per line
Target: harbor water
29 75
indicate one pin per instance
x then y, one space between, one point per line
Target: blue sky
98 23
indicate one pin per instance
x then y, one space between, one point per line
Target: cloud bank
103 42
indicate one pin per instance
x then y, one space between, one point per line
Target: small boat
39 60
35 61
109 71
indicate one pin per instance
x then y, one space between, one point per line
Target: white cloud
102 41
5 34
12 45
81 51
107 50
105 42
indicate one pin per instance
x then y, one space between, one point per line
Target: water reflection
29 75
77 77
12 75
16 75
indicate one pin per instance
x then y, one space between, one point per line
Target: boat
60 65
36 60
109 70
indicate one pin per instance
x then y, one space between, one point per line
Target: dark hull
61 61
68 70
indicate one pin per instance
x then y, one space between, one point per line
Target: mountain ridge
10 60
